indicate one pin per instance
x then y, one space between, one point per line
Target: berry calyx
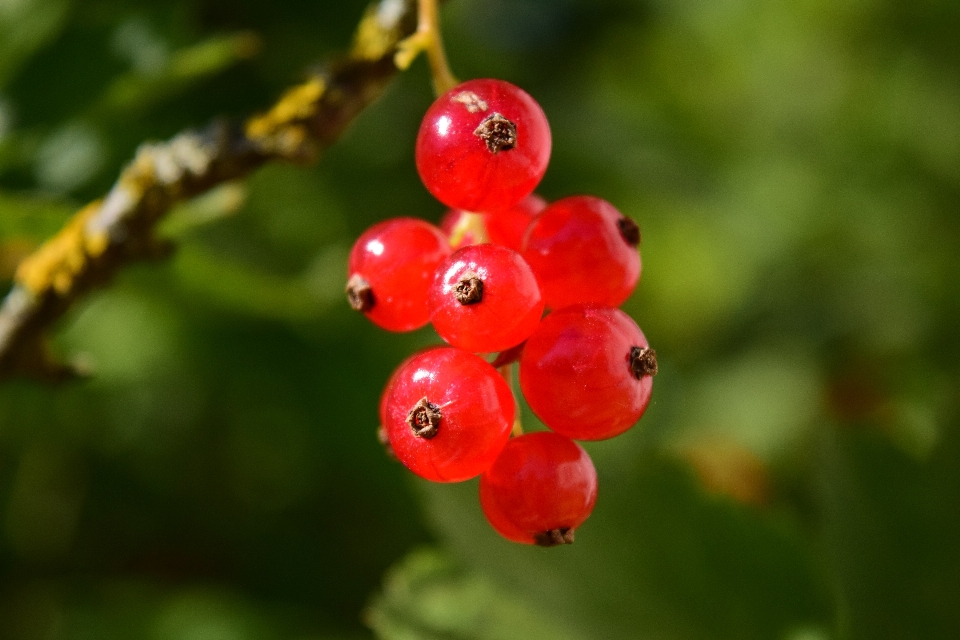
483 146
359 293
384 441
391 267
447 413
497 132
469 288
630 231
485 298
540 489
424 419
583 251
554 537
643 362
586 372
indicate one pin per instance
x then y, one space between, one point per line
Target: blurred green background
795 168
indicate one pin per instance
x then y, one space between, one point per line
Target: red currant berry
540 489
583 251
390 270
483 146
508 226
587 372
448 414
485 298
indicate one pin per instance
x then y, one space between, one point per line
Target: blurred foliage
795 168
429 596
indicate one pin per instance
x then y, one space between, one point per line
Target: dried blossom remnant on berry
384 440
469 289
424 419
472 102
359 293
643 362
630 231
554 537
499 133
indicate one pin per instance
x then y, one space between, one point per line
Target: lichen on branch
120 228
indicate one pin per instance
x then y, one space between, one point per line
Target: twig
110 233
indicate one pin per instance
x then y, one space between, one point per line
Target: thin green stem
507 372
428 18
427 38
469 224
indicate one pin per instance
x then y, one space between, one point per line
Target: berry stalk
507 372
472 225
427 39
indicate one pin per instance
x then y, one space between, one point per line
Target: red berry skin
397 259
541 482
483 146
385 394
509 306
576 373
476 411
499 520
580 255
508 226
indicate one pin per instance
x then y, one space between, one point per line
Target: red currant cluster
585 369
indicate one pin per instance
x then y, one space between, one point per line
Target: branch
107 234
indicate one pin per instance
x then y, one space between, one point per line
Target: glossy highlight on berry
586 372
541 488
485 298
447 414
483 146
390 269
583 251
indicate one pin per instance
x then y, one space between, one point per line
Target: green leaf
429 597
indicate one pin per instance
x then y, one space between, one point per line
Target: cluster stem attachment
469 223
427 39
507 372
